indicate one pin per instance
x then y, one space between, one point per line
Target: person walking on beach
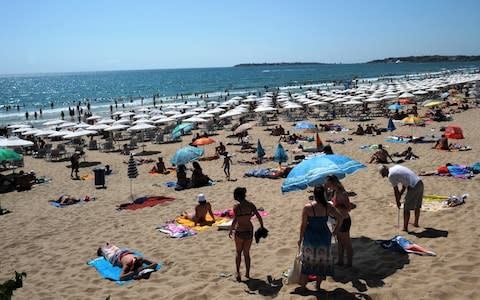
75 164
227 160
316 239
243 228
409 181
341 203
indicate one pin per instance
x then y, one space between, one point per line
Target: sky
90 35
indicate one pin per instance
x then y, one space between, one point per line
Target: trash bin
99 176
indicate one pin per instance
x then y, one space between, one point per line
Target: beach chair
41 153
54 155
107 146
159 138
92 145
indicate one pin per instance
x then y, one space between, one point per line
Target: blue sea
32 92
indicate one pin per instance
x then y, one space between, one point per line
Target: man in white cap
203 207
409 181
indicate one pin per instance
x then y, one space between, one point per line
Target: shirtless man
201 210
381 156
131 264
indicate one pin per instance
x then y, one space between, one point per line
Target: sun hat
201 198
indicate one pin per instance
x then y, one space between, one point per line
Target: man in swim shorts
410 182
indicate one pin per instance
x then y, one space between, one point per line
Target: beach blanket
271 173
440 202
169 184
143 202
401 244
108 271
182 220
175 230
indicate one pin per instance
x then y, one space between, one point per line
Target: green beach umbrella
8 154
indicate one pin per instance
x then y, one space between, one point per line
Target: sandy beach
53 245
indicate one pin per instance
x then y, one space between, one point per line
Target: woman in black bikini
243 228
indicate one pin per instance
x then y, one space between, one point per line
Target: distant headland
426 59
279 64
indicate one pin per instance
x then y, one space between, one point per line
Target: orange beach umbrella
203 141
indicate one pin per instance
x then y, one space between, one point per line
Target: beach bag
296 271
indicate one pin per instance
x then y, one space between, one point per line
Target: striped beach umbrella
132 172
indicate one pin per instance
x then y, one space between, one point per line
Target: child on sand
226 164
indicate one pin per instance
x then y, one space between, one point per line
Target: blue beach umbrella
177 131
260 151
280 154
395 106
444 95
304 125
391 126
313 171
186 154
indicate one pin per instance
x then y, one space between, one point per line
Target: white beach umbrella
264 109
142 121
352 102
164 121
126 114
140 127
141 116
171 113
16 126
122 121
205 115
195 119
106 121
22 129
14 142
420 92
94 117
66 125
318 103
406 95
116 127
31 131
53 122
59 133
79 133
81 125
44 132
98 127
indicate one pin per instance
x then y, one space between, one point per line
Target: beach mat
229 214
110 272
145 202
175 230
182 220
59 205
401 244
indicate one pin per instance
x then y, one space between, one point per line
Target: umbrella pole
398 220
131 188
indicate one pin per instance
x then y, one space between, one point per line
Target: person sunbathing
442 143
201 210
198 178
68 200
130 263
380 156
359 131
407 154
160 167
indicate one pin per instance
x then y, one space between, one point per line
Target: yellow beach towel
189 223
434 202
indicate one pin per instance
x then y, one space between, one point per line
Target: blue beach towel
107 271
59 205
397 141
170 184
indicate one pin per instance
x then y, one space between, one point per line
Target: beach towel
401 244
182 220
87 177
143 202
270 173
108 271
175 230
170 184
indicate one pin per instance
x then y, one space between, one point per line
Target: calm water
32 92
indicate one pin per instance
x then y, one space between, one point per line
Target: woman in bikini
342 204
243 228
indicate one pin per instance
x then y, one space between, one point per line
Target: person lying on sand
201 210
69 200
131 264
407 154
